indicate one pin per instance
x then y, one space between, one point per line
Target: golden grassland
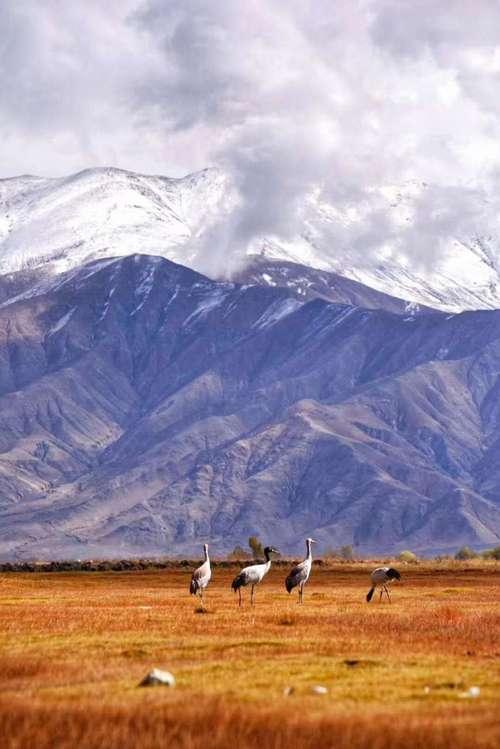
74 646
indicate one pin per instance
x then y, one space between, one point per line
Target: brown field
74 646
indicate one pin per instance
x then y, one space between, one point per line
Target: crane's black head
271 550
393 574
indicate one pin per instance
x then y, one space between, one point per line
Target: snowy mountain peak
107 212
103 212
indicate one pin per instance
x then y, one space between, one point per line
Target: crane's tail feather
289 585
370 594
193 587
237 583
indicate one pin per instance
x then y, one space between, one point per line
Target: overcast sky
347 96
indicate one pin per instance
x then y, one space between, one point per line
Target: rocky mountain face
310 283
145 409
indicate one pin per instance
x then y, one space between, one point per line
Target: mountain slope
107 212
144 408
310 283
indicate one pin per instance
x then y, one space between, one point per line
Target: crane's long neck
206 555
268 558
309 550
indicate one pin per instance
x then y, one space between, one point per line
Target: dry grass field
74 646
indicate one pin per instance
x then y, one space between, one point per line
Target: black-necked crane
201 576
382 576
299 575
253 575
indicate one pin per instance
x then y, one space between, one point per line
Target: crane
201 576
299 575
382 576
253 575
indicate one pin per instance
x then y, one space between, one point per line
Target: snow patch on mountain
213 300
62 322
277 311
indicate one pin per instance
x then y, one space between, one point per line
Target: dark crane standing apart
382 576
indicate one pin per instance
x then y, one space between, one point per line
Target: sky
344 99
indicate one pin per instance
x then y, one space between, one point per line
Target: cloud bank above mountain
338 100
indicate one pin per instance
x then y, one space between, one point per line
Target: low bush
407 556
491 553
465 553
346 552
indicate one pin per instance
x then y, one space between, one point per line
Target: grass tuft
287 620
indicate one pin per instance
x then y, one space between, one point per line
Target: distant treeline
239 557
123 565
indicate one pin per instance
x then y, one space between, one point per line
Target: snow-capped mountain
108 212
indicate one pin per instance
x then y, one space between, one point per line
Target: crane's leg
251 595
201 597
381 594
301 599
241 602
387 593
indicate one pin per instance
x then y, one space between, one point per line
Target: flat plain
74 647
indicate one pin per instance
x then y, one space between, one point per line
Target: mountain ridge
144 407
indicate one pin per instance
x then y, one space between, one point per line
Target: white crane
299 575
382 576
254 574
201 576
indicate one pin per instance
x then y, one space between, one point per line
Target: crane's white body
299 575
252 575
255 574
201 576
